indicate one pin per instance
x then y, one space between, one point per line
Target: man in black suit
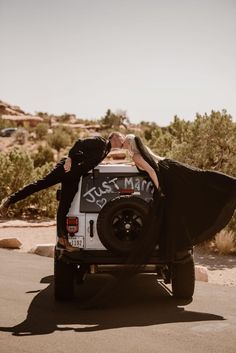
83 156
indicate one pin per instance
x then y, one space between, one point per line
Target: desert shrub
42 203
47 118
41 131
208 143
232 224
43 155
61 138
148 128
17 168
21 136
225 242
65 118
17 171
161 142
114 120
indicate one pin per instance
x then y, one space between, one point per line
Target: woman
190 205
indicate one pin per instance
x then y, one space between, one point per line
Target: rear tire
64 275
183 279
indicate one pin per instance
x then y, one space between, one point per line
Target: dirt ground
221 269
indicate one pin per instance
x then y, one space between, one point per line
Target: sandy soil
221 269
29 233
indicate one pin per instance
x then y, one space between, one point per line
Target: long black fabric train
196 205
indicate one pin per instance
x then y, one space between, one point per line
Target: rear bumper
106 257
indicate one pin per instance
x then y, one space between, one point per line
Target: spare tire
120 223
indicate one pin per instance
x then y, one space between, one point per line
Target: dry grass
225 242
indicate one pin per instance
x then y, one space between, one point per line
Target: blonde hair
134 149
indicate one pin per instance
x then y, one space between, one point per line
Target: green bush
41 131
42 156
65 118
21 136
114 120
208 143
42 203
61 138
17 171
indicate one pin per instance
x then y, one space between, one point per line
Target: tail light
72 224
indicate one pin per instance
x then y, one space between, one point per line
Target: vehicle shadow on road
139 301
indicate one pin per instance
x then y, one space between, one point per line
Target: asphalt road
135 317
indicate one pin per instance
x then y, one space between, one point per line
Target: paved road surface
139 317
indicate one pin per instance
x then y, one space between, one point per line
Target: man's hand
67 165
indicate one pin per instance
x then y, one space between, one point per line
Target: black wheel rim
127 224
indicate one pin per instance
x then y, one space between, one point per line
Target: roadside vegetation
208 142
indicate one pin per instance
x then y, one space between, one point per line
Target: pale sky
153 58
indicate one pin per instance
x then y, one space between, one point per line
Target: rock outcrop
7 109
14 113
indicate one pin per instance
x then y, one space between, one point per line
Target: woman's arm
142 164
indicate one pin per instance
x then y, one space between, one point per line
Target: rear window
96 192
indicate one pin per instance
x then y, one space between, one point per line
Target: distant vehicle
7 132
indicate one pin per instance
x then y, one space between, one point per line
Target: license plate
77 242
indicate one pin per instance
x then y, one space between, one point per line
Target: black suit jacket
87 153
